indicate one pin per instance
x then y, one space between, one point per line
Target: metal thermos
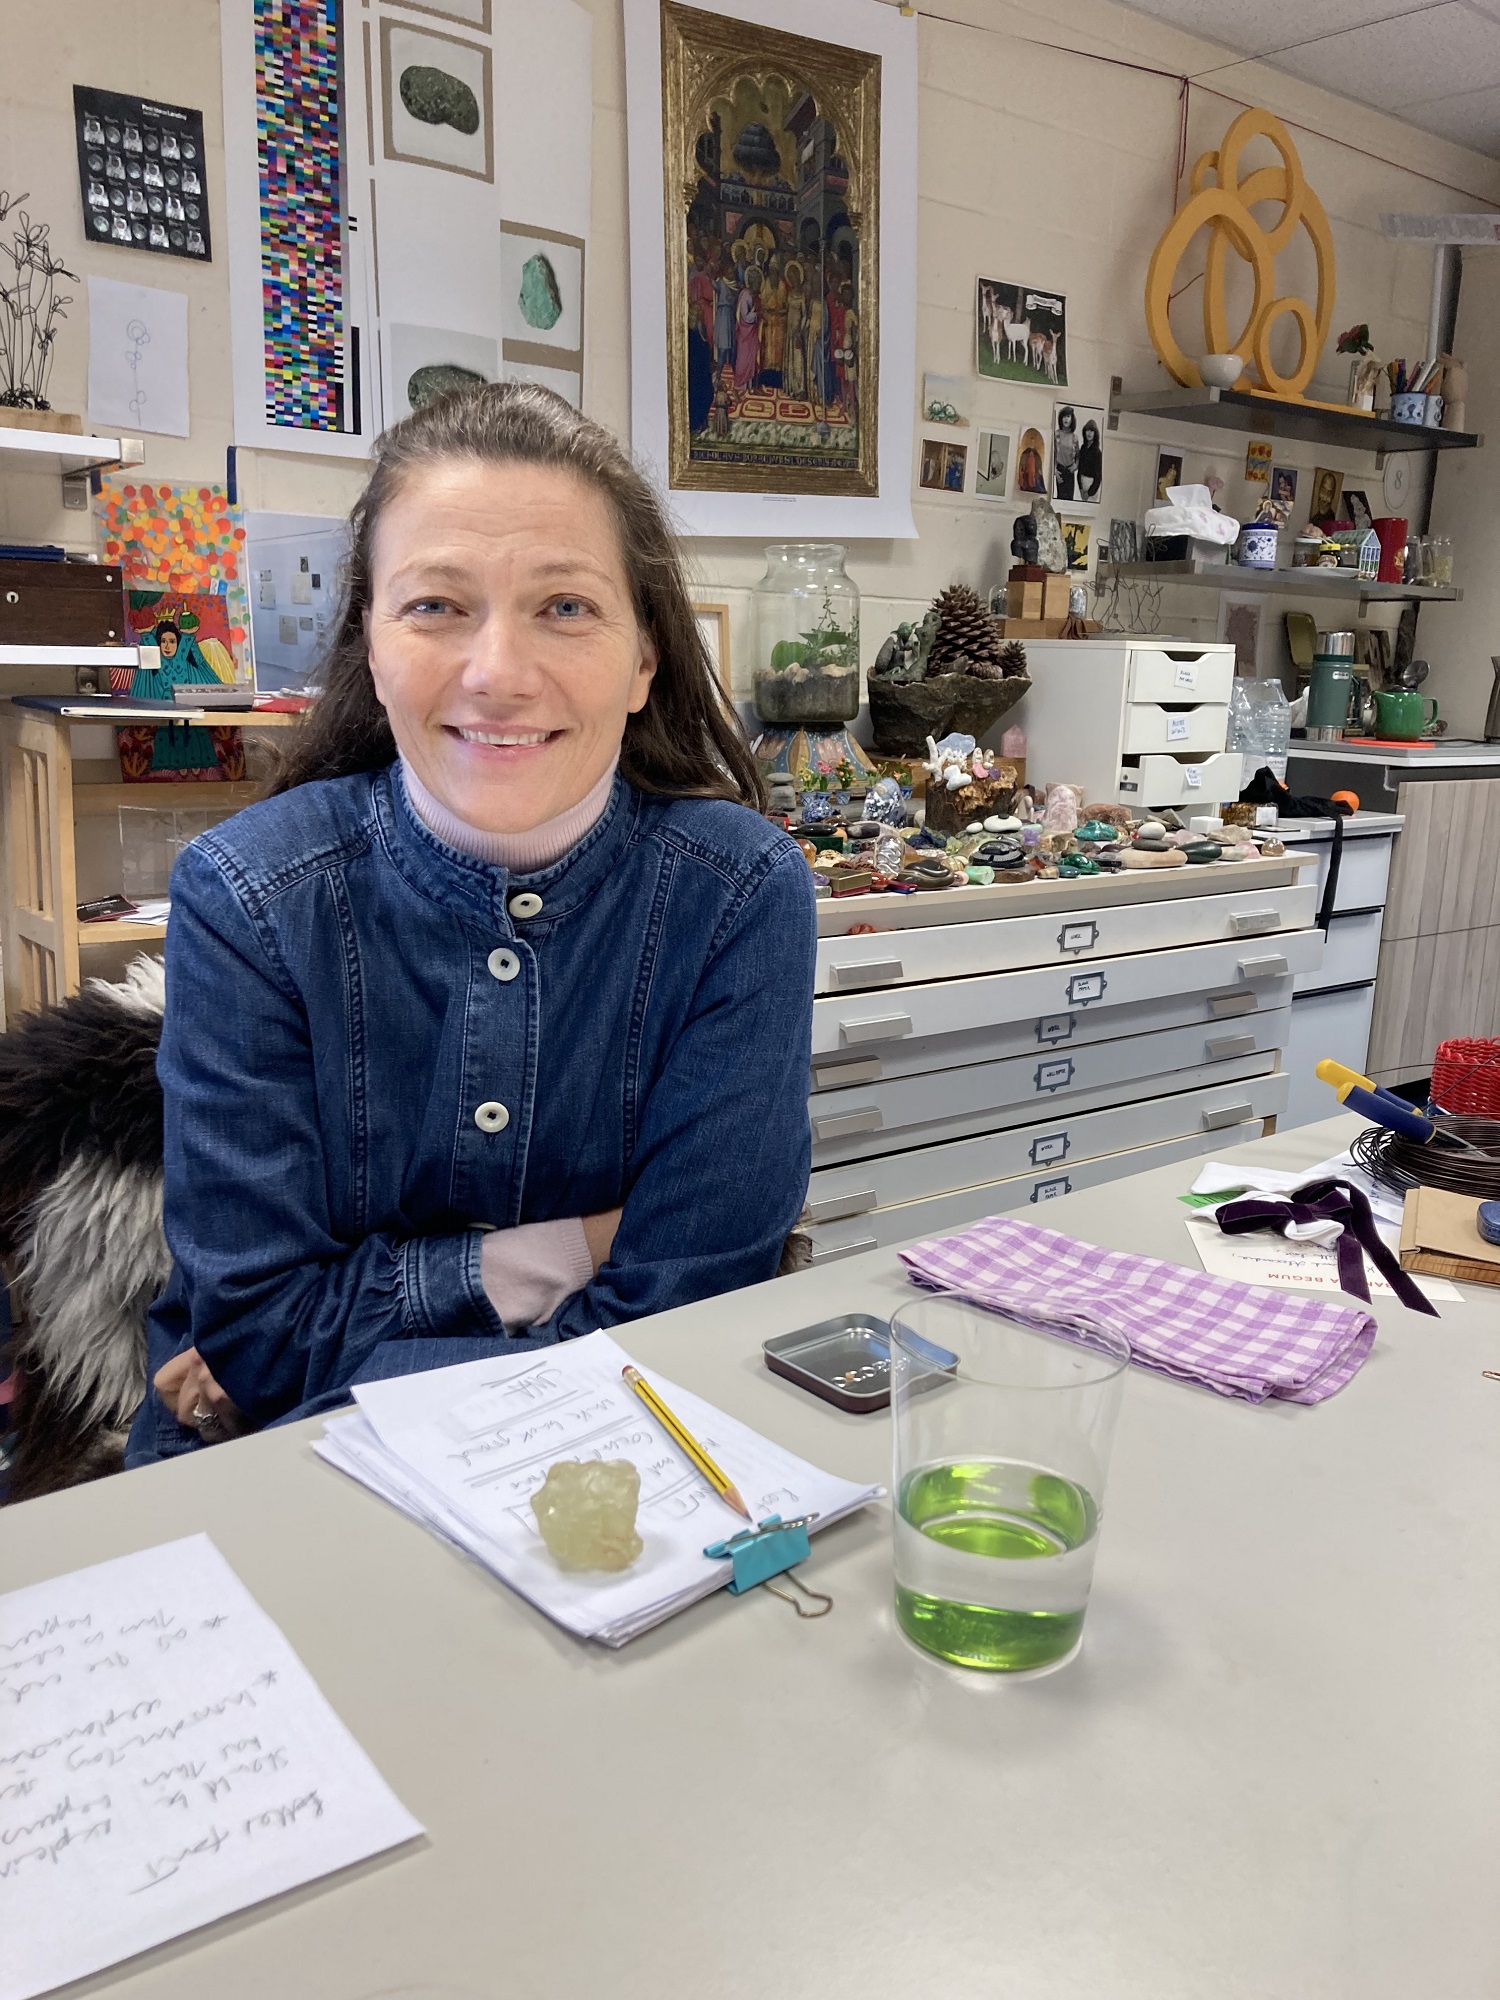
1492 714
1330 688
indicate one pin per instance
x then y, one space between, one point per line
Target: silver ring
204 1421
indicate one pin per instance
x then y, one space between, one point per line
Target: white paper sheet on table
165 1759
463 1449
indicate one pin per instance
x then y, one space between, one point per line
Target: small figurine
1023 542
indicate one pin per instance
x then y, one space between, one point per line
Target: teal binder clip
758 1554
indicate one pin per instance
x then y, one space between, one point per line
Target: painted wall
1466 507
1034 165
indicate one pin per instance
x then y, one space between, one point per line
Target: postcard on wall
992 464
1077 453
1257 462
1284 490
1327 490
1076 539
1021 332
1168 474
141 174
943 465
138 358
947 399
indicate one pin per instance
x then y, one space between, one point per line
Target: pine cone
967 641
1013 657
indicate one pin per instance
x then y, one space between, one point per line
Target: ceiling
1433 63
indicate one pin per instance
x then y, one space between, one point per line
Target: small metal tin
846 1361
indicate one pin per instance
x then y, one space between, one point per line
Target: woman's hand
195 1398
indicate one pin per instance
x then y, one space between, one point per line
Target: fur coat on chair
80 1223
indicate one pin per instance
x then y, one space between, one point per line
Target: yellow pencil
722 1485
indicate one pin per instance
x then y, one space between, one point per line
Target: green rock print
425 385
439 99
541 297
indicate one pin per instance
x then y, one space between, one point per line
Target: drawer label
1178 728
1053 1147
1055 1075
1084 987
1056 1027
1078 937
1050 1190
1193 777
1187 674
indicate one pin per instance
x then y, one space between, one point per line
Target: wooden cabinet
54 806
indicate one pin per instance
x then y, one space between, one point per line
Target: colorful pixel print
297 98
178 536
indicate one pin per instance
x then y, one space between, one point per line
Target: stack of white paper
463 1449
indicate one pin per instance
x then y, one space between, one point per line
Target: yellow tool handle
1342 1077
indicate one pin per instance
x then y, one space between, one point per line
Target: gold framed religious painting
771 151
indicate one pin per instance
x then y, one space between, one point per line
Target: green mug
1401 716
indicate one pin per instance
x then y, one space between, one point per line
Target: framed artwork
1257 462
1031 463
1327 490
1168 473
436 100
1284 489
1076 538
772 183
1357 507
141 174
1077 453
1124 541
713 623
1020 332
992 464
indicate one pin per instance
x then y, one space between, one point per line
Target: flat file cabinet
989 1048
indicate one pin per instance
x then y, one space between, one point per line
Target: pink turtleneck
527 1271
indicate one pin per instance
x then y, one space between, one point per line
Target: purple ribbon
1329 1201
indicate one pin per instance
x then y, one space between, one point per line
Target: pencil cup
1408 408
998 1482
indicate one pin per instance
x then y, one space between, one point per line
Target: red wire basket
1466 1078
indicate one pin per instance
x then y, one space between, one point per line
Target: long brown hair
686 741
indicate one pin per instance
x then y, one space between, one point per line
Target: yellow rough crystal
587 1514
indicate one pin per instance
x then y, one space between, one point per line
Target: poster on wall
1021 332
772 189
376 165
141 174
1077 453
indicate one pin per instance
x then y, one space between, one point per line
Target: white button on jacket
504 965
492 1117
525 905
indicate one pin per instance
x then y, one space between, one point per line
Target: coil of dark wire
1401 1164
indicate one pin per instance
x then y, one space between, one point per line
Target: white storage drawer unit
1141 720
982 1062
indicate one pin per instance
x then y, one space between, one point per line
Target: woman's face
503 642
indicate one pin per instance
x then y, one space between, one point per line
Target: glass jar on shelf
806 621
1442 561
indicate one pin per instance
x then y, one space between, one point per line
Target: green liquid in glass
1006 1586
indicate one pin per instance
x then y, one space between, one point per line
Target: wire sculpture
1127 604
30 307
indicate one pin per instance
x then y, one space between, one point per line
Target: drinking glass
1002 1437
1442 560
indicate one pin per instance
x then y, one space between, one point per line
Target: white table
1273 1774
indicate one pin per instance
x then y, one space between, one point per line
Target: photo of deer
1021 333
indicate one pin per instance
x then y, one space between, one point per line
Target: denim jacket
376 1047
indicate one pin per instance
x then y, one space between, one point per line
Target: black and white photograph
1077 453
992 464
1357 507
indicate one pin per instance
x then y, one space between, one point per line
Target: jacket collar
481 889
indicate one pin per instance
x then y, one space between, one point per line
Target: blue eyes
570 607
567 610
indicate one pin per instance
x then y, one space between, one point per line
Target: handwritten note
165 1759
463 1449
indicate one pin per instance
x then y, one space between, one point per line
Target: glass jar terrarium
806 620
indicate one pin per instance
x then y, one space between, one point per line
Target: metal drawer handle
1230 1045
870 972
834 1076
833 1207
1249 922
825 1253
844 1124
1274 967
877 1028
1227 1114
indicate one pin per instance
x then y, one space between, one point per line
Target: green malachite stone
425 385
541 300
439 99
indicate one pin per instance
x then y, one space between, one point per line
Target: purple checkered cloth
1240 1340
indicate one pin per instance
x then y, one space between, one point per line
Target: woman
1065 454
491 1027
1090 462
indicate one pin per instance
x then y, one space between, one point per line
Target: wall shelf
1284 582
1312 423
65 451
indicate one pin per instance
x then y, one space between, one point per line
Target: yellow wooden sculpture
1221 202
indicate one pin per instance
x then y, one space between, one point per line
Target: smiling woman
491 1027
